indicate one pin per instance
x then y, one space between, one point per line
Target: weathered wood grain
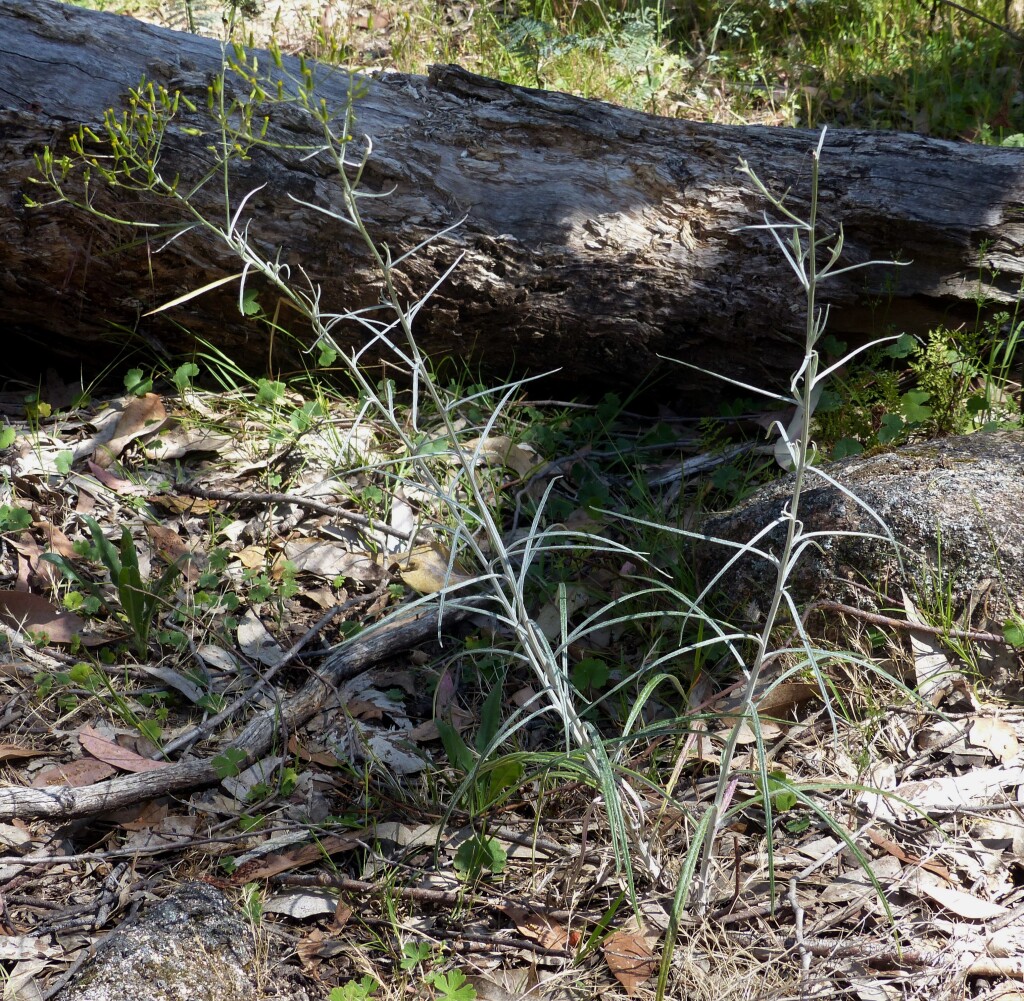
595 238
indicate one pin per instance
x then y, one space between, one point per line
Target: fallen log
596 239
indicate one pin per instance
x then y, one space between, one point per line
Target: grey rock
191 946
955 507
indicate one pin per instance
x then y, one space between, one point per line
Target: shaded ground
332 828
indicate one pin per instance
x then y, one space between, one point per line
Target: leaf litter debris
254 745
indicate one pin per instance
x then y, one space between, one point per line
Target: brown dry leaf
272 865
379 20
630 958
145 817
29 552
786 696
704 749
318 945
182 504
172 549
324 597
342 915
57 541
771 699
911 858
424 732
121 487
540 928
82 772
503 451
427 569
252 557
523 696
114 754
582 520
362 709
34 613
745 732
549 619
174 830
143 416
996 736
325 759
15 752
512 985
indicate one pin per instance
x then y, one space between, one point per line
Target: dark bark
595 239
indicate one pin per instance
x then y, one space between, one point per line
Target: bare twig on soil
258 497
875 619
205 729
349 660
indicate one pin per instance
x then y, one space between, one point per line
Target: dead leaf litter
263 750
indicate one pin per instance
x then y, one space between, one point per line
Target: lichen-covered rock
192 946
955 507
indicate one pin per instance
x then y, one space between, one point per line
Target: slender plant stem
804 385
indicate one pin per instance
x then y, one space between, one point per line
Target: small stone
191 946
954 506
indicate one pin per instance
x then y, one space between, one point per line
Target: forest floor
232 666
223 734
